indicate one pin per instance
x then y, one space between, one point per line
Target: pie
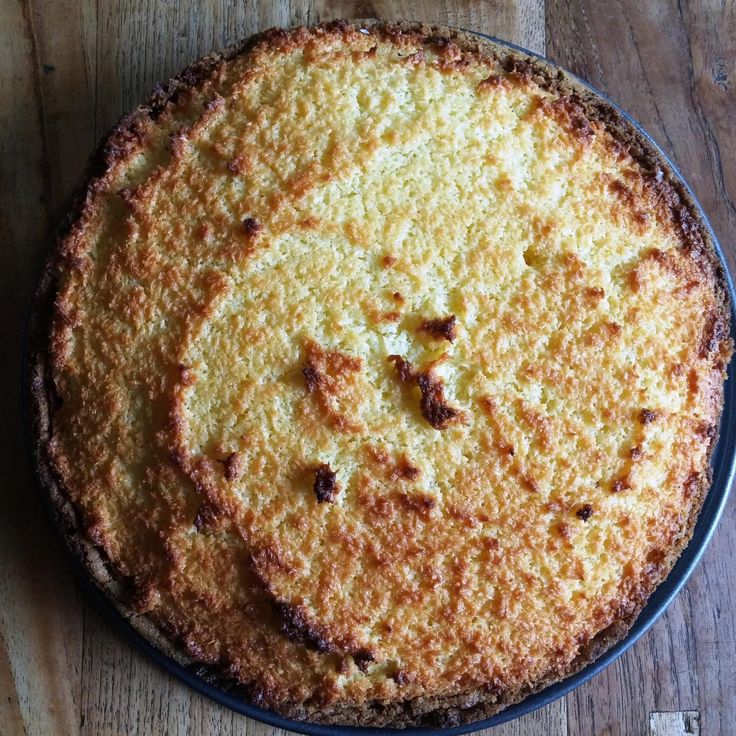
377 371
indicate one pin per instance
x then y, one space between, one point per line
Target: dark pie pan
722 464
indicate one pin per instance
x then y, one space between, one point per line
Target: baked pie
377 372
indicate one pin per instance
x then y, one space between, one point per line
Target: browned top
387 371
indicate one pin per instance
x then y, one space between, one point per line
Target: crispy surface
387 372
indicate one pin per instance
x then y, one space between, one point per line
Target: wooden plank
125 692
657 673
11 714
40 615
66 46
678 723
669 66
521 22
142 44
709 43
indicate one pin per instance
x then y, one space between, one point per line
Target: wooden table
68 69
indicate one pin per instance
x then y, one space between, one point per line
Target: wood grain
70 68
685 723
40 610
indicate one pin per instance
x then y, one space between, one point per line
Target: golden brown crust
285 631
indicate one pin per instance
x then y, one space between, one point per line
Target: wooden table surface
68 70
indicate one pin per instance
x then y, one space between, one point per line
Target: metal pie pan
722 464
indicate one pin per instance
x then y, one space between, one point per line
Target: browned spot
677 369
714 332
127 194
311 378
381 506
418 502
669 261
490 408
543 228
377 454
310 223
325 484
623 192
659 257
655 557
398 297
670 207
378 317
693 382
594 293
404 470
630 200
178 141
363 658
689 286
306 178
296 626
403 368
635 279
540 424
441 328
400 677
647 416
205 519
389 261
434 407
574 266
451 58
237 166
571 116
584 512
145 597
252 227
440 43
234 466
635 453
462 512
415 59
488 405
186 375
691 485
331 377
554 506
519 71
504 183
494 81
394 470
707 431
205 230
530 483
620 484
